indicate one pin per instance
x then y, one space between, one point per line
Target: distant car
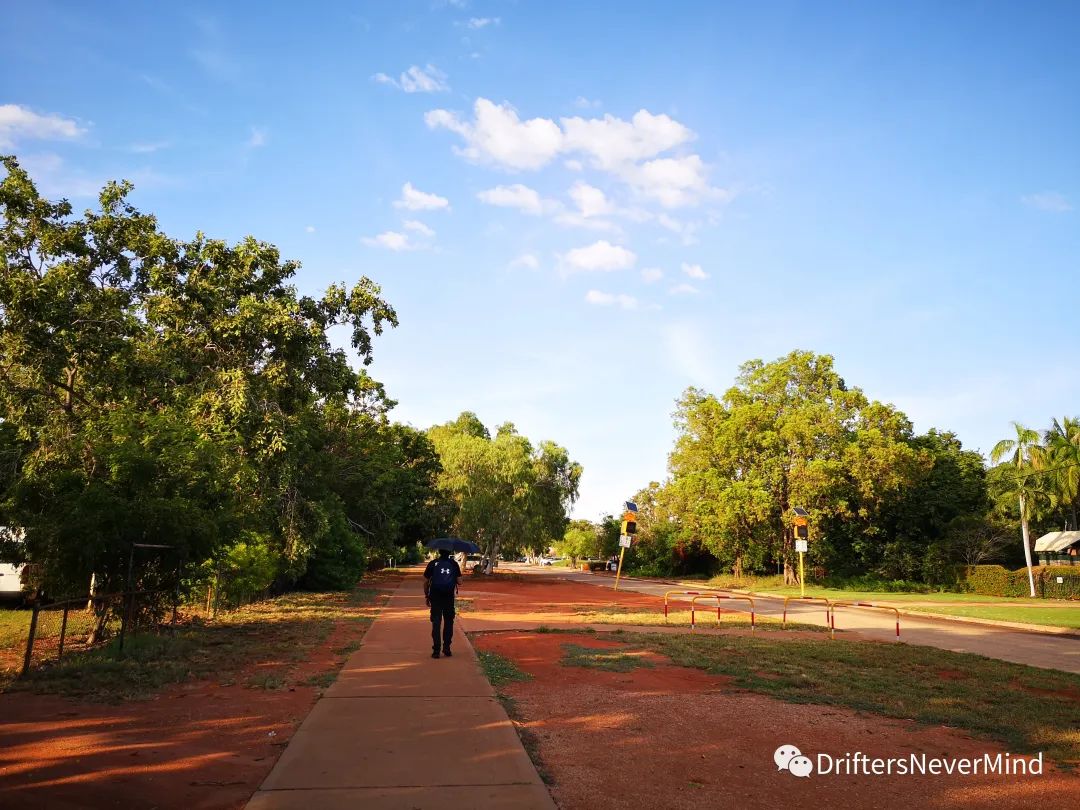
11 584
546 561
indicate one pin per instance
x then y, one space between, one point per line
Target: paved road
1035 649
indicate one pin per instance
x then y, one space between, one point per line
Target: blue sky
580 209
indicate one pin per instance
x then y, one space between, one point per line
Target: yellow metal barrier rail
835 605
787 599
718 597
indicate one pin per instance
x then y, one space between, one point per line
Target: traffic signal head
629 527
802 532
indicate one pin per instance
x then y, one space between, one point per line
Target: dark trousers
442 611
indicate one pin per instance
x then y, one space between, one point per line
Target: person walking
440 587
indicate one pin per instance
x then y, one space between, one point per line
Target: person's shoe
435 654
447 653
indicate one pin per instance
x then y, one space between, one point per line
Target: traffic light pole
802 576
618 572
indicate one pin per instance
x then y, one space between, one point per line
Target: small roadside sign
624 540
801 546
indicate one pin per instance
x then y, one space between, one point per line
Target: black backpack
443 577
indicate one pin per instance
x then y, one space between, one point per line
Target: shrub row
994 580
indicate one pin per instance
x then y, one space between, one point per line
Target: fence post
30 635
124 620
63 632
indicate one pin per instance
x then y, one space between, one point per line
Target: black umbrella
453 544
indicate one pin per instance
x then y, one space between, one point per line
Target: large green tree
509 495
183 393
789 433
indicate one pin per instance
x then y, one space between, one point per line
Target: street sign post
628 530
802 542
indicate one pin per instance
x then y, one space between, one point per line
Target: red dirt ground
197 745
556 596
671 737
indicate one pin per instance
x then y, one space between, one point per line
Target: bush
994 580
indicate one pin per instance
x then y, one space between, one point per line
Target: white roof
1057 541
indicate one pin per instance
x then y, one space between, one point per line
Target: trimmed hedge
994 580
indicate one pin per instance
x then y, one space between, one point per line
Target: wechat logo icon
789 758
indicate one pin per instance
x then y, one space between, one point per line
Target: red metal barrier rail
827 602
718 597
835 605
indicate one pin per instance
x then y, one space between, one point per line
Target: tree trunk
736 569
1027 544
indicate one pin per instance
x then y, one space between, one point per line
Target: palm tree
1063 451
1020 452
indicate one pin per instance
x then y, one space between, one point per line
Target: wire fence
75 626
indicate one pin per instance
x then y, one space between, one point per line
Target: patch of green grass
348 649
284 630
767 586
267 680
1026 708
610 660
1049 616
14 624
500 670
322 680
706 618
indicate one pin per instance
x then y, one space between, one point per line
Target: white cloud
149 148
257 138
418 227
583 103
309 229
416 79
601 255
1047 201
391 240
573 219
612 142
683 289
604 299
516 196
673 182
18 123
590 200
651 275
686 230
629 150
413 199
694 271
497 135
482 22
526 260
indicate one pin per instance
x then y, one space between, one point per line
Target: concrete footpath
399 729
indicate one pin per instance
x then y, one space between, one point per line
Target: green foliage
994 580
507 495
184 394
